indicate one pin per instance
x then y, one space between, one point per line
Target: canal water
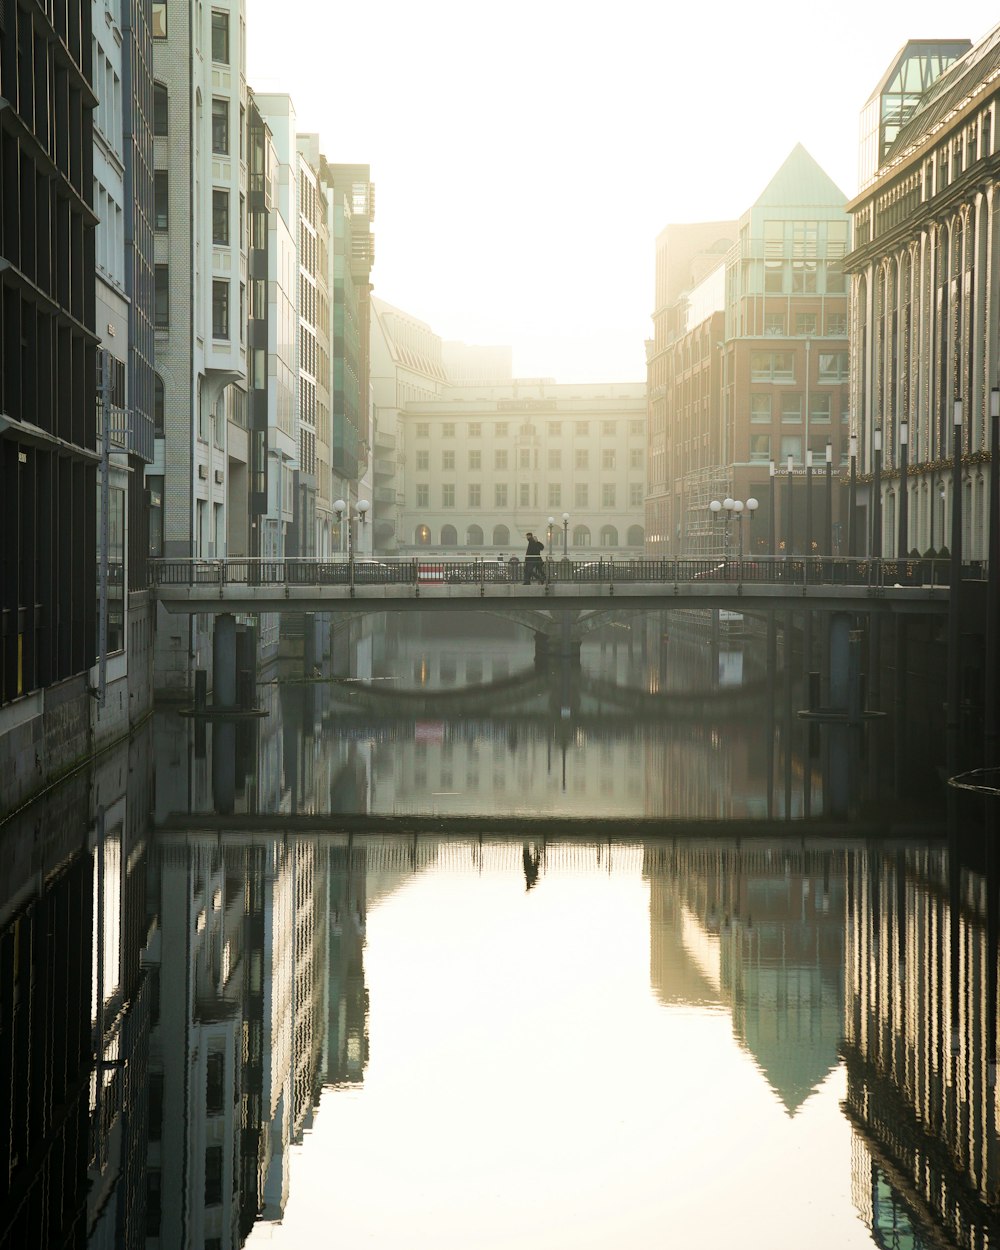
448 947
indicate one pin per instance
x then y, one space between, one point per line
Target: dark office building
354 255
260 158
46 953
47 385
137 122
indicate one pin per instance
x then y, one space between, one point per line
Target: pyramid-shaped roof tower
800 183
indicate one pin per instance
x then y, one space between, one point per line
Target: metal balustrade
798 571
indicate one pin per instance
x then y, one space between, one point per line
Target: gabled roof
800 183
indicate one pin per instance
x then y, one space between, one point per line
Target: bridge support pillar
845 671
224 767
562 646
845 697
224 661
569 647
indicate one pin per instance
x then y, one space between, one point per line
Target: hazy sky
526 155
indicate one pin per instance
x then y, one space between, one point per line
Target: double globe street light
341 510
565 527
734 508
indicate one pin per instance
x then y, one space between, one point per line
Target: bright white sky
525 155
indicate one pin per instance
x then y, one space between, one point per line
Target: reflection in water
216 1068
708 728
759 930
608 1031
74 1011
920 1045
622 736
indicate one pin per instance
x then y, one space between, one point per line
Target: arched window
157 405
449 536
501 536
474 536
635 536
422 536
581 536
609 536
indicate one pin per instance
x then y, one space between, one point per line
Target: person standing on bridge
533 568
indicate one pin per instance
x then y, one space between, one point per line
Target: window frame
161 200
220 287
161 297
220 114
220 195
224 28
161 111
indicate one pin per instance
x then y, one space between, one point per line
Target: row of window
474 429
791 445
220 118
474 536
220 303
220 209
220 30
790 406
800 238
780 366
502 458
805 323
801 277
527 495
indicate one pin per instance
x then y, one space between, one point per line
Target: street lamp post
551 525
770 519
790 523
809 502
852 501
341 511
734 507
903 538
565 521
876 541
828 527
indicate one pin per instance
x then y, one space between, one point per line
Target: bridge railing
338 571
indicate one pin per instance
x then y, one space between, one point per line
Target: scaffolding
701 533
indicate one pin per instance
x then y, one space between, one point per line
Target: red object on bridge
430 573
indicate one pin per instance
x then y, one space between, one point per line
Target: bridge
243 585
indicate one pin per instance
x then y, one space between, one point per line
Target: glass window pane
220 127
220 37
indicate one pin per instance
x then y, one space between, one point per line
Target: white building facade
925 303
486 464
200 279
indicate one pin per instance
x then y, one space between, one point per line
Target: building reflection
920 1047
256 946
74 1012
759 930
681 722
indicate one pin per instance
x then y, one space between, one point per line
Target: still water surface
604 1059
767 1020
